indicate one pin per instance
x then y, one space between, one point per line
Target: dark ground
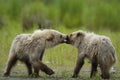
61 73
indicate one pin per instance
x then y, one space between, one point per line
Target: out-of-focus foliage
89 14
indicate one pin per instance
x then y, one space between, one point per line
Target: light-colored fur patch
93 45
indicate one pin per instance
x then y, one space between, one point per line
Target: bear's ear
80 34
50 37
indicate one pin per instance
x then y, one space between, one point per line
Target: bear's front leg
35 59
94 64
38 65
79 64
40 58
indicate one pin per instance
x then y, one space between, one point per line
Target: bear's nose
66 39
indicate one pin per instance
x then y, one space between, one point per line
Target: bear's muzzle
67 39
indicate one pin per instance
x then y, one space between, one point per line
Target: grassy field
60 58
101 17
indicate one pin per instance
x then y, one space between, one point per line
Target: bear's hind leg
11 62
105 72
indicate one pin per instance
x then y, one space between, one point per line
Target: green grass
60 58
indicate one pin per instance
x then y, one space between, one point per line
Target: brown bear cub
97 48
29 48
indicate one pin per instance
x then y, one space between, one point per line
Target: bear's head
51 37
75 38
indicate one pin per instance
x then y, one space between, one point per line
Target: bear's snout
67 39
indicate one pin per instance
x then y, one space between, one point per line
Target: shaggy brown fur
29 48
98 49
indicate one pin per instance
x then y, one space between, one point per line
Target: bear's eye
70 35
60 36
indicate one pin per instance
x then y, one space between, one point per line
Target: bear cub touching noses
29 48
97 48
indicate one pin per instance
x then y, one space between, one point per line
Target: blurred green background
88 14
25 16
